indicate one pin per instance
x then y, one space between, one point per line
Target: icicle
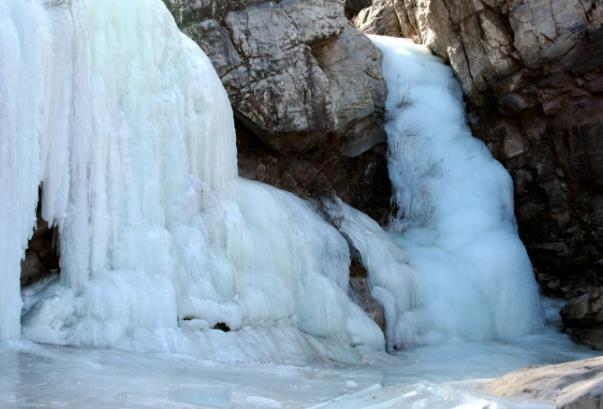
124 121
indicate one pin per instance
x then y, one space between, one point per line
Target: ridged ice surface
455 221
126 125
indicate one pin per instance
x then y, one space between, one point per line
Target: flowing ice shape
126 126
455 220
392 282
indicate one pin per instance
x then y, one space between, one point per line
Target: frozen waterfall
124 122
455 222
126 126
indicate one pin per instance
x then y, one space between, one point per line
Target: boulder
572 385
380 18
296 72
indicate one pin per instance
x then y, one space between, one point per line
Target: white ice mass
126 126
455 219
452 266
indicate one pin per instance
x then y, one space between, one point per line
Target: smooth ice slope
455 220
126 125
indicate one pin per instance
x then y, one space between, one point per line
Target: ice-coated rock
307 91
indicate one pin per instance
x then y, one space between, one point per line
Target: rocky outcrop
296 72
532 74
583 318
361 181
307 91
572 385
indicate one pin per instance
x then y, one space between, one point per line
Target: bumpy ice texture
455 221
127 127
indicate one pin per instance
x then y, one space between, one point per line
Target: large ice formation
455 219
127 127
124 123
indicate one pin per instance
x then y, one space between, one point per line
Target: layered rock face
307 91
532 74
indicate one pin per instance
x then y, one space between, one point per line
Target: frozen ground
35 376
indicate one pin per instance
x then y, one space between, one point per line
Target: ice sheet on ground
35 376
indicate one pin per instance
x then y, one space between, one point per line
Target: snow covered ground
36 376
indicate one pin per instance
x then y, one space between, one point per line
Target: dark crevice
222 327
42 254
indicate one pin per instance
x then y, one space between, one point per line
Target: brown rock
362 180
42 254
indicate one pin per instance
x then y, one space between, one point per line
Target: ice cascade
472 276
125 124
